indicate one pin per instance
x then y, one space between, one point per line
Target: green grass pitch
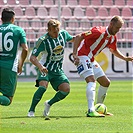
69 115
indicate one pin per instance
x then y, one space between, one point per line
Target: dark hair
7 14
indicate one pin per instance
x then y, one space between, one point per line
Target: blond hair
53 22
115 19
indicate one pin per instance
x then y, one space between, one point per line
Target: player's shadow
55 117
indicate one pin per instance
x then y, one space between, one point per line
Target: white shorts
87 68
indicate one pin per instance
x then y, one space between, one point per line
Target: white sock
90 94
102 92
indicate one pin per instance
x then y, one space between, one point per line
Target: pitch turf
68 116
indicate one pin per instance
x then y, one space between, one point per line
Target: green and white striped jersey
11 36
52 50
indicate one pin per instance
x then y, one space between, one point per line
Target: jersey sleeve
68 36
92 33
23 37
38 48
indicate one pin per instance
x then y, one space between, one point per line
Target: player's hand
43 70
129 58
76 59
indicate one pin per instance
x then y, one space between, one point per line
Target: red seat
107 3
53 12
119 37
72 24
31 35
66 13
48 3
90 12
42 13
85 24
120 3
128 36
130 24
78 13
30 12
129 3
72 3
126 13
36 24
24 23
12 3
63 3
102 13
36 3
97 22
114 11
84 3
96 3
24 3
18 12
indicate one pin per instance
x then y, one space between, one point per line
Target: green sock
5 101
37 97
58 96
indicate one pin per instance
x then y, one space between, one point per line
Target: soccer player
86 46
11 37
51 45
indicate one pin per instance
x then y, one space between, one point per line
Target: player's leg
85 70
8 84
41 83
102 80
62 88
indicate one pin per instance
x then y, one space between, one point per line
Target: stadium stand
24 3
30 12
96 3
114 11
66 13
76 15
84 3
2 3
79 13
63 3
24 23
42 13
72 3
126 13
119 3
36 24
12 3
48 3
53 12
107 3
90 13
36 3
19 12
102 12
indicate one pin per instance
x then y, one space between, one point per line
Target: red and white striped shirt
95 41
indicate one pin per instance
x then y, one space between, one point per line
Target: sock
5 101
90 94
58 96
102 92
37 97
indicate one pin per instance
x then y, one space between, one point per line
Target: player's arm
23 56
35 61
77 41
118 54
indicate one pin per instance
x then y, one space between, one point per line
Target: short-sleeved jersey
95 41
11 37
52 50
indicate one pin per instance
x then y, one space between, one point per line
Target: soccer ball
101 108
